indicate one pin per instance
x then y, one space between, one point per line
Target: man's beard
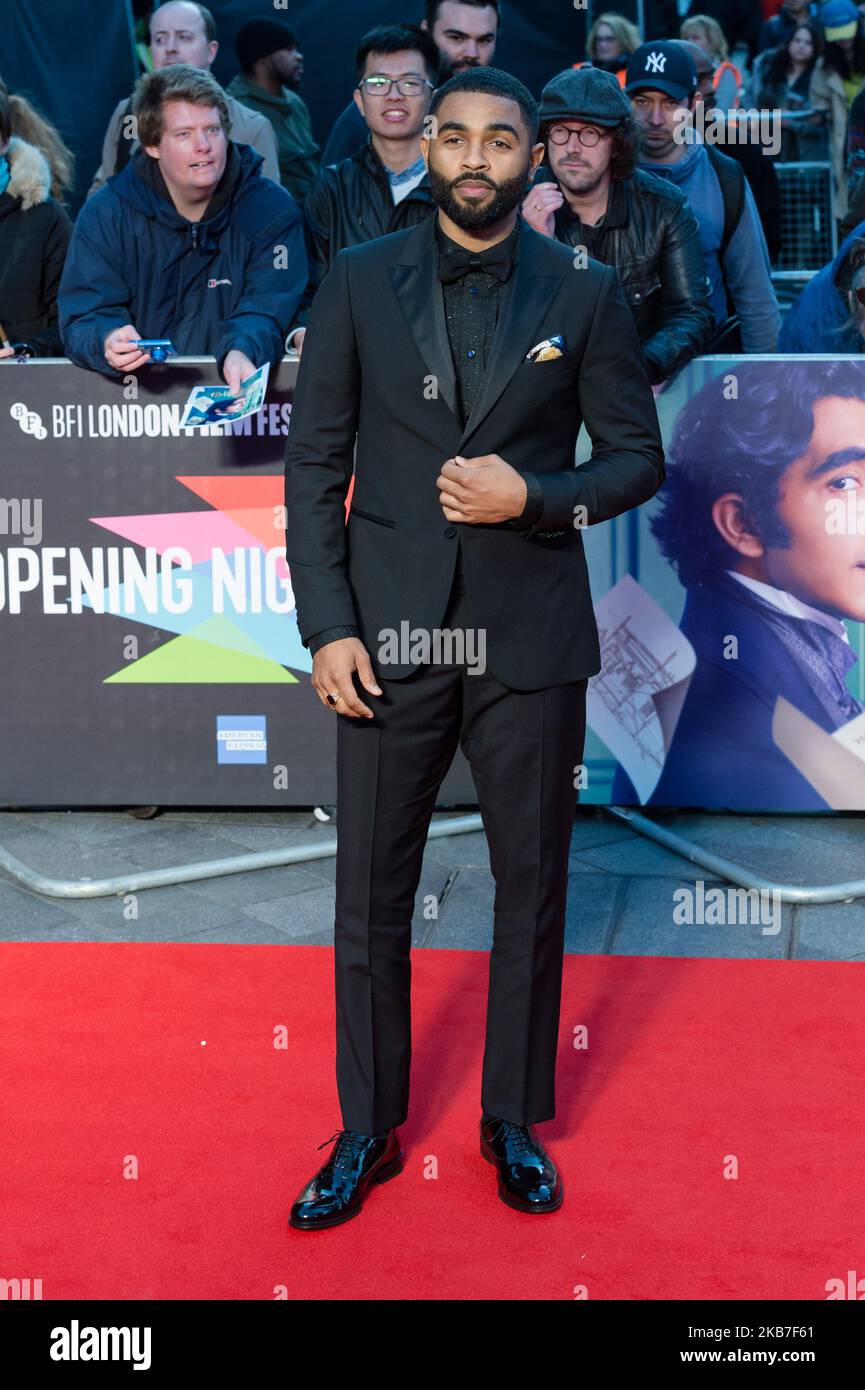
447 67
649 150
292 80
507 196
582 181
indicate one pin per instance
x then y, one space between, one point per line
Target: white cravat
788 603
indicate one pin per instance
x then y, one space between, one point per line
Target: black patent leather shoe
528 1178
337 1191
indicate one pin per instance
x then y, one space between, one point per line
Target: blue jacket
814 321
233 280
745 269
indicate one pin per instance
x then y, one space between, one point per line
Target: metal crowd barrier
809 230
206 868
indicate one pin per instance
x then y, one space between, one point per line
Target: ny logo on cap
656 62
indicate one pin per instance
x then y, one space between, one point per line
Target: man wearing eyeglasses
465 32
591 196
383 187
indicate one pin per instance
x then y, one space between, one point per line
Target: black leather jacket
350 203
650 235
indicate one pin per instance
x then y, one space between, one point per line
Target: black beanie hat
258 38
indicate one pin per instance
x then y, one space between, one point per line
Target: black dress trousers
522 748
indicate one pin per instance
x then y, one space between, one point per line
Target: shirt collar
446 243
414 171
616 214
794 607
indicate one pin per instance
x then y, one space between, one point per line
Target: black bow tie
497 261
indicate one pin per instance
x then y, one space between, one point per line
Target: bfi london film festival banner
150 652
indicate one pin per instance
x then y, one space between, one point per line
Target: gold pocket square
546 350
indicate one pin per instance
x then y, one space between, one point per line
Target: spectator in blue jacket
829 314
188 242
662 85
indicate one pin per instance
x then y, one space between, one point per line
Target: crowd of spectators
216 213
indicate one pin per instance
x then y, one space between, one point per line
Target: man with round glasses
383 187
590 195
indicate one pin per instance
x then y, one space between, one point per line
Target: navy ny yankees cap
665 67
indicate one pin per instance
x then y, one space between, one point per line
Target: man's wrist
329 634
534 504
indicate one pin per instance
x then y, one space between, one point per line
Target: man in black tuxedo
463 354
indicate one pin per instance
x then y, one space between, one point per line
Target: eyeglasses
406 86
560 135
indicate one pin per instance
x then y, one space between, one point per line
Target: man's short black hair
744 445
396 38
433 7
496 83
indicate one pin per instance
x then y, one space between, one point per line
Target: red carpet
689 1062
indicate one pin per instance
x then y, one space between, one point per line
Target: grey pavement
626 896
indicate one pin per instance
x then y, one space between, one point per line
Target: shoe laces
517 1136
348 1141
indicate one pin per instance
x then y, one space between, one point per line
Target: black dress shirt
471 314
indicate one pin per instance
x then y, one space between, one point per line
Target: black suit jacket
377 364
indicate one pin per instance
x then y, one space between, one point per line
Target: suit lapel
526 298
418 290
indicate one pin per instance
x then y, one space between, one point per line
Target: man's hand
120 351
297 341
540 206
483 489
7 352
332 668
235 369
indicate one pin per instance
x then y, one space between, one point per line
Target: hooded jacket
289 116
816 321
740 273
232 280
34 236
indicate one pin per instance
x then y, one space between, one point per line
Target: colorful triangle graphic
216 652
238 494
